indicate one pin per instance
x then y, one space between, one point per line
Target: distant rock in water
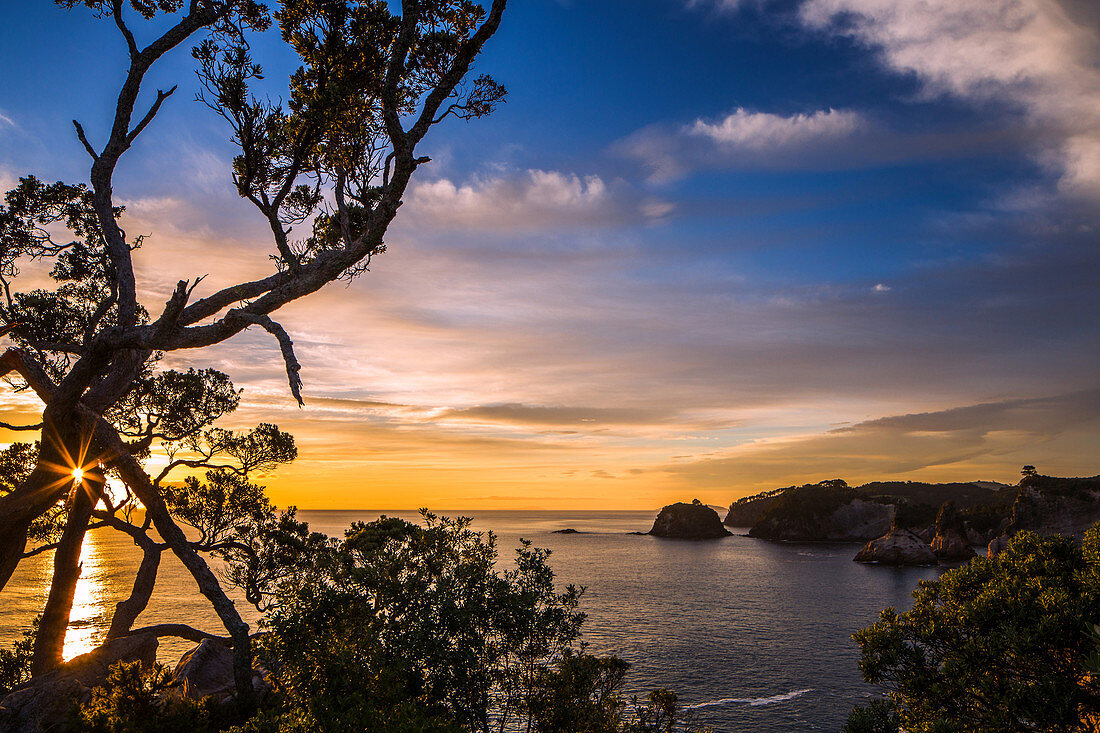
694 521
897 547
567 530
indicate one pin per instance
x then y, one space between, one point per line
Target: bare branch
161 96
9 426
131 44
286 346
84 139
183 631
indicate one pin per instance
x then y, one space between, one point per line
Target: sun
78 473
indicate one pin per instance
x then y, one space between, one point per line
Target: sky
706 248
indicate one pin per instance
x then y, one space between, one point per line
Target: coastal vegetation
1001 643
398 627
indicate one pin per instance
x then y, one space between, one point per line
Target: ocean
754 635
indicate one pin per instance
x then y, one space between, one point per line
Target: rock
1050 511
567 530
997 545
44 702
694 521
748 511
204 670
207 671
897 547
950 543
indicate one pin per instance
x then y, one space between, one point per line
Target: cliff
1048 505
833 511
828 511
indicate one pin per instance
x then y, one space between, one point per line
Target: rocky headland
694 521
917 523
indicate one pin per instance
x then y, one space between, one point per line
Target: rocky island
694 521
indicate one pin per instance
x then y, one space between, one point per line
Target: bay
754 635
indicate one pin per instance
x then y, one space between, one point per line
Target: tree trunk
134 476
50 641
127 611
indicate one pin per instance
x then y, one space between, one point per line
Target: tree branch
161 96
183 631
286 346
84 139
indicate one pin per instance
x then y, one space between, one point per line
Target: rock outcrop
204 670
829 512
1047 505
44 702
897 547
950 543
694 521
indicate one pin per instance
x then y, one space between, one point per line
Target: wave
752 702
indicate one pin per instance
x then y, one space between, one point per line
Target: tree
336 159
999 644
415 627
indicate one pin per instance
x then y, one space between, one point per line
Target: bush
134 700
998 644
406 628
878 716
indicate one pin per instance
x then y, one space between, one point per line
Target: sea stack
694 521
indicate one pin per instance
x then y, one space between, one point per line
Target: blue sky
706 248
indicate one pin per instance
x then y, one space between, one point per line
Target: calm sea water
755 635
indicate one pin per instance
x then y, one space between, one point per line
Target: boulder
897 547
997 545
949 542
44 702
694 521
206 670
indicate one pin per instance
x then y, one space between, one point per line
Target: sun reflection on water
90 604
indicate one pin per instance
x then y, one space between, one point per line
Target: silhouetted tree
337 158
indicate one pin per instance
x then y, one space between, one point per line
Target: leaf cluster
998 644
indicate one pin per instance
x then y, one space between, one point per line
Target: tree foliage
335 161
407 627
998 644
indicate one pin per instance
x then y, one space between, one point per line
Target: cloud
743 139
6 121
529 200
520 414
973 442
1037 56
766 132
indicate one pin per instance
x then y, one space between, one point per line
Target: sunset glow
856 249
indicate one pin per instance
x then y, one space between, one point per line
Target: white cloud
1028 53
746 139
882 288
6 121
528 200
764 131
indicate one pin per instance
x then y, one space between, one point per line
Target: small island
694 521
